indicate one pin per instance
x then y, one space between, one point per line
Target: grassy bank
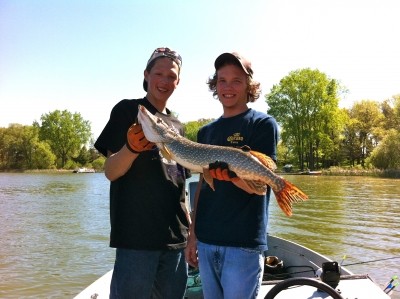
390 173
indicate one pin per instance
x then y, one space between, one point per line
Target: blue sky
86 55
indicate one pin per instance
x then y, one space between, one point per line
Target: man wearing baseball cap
228 234
149 222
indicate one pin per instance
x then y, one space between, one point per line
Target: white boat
292 271
84 170
297 273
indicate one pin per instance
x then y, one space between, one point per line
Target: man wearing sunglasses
149 221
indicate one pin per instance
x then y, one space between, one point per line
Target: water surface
54 228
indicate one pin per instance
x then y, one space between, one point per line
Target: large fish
255 170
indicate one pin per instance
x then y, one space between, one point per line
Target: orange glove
136 142
220 171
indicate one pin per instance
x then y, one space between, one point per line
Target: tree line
315 132
62 140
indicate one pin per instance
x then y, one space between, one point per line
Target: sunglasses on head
166 52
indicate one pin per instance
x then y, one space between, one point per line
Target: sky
84 56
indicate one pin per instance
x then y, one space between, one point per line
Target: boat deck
350 287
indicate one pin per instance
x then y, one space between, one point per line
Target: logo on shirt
235 138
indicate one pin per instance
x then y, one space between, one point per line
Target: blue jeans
230 272
145 274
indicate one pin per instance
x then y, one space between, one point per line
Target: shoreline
334 171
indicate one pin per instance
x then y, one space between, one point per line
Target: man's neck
161 106
233 111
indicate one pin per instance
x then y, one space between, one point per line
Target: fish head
155 128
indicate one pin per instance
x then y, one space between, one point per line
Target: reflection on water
54 228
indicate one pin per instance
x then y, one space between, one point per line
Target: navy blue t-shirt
230 216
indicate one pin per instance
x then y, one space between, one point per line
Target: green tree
391 111
367 118
21 149
36 154
351 143
66 133
305 104
285 155
84 157
42 156
11 154
330 139
192 127
98 164
3 151
387 154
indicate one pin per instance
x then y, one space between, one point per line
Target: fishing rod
391 285
373 261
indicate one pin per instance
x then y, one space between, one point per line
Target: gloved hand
136 142
220 171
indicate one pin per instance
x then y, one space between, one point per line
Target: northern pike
254 169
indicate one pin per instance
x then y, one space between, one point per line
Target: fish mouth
140 117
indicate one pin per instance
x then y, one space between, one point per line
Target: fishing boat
290 271
84 170
311 172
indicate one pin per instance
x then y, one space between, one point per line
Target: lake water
54 229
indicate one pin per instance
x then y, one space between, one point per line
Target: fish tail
288 195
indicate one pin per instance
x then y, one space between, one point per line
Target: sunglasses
166 52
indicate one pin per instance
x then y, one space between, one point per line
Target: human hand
220 171
191 251
136 142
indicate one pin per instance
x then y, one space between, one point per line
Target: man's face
162 79
232 86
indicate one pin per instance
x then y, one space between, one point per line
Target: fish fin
164 151
288 195
264 159
208 178
256 187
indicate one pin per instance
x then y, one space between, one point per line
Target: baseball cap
235 58
163 52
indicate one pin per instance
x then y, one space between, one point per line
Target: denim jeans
145 274
230 272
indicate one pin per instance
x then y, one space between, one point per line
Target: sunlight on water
356 217
54 228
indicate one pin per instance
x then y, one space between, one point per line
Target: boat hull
298 261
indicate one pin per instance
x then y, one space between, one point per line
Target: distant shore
333 171
41 171
337 171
